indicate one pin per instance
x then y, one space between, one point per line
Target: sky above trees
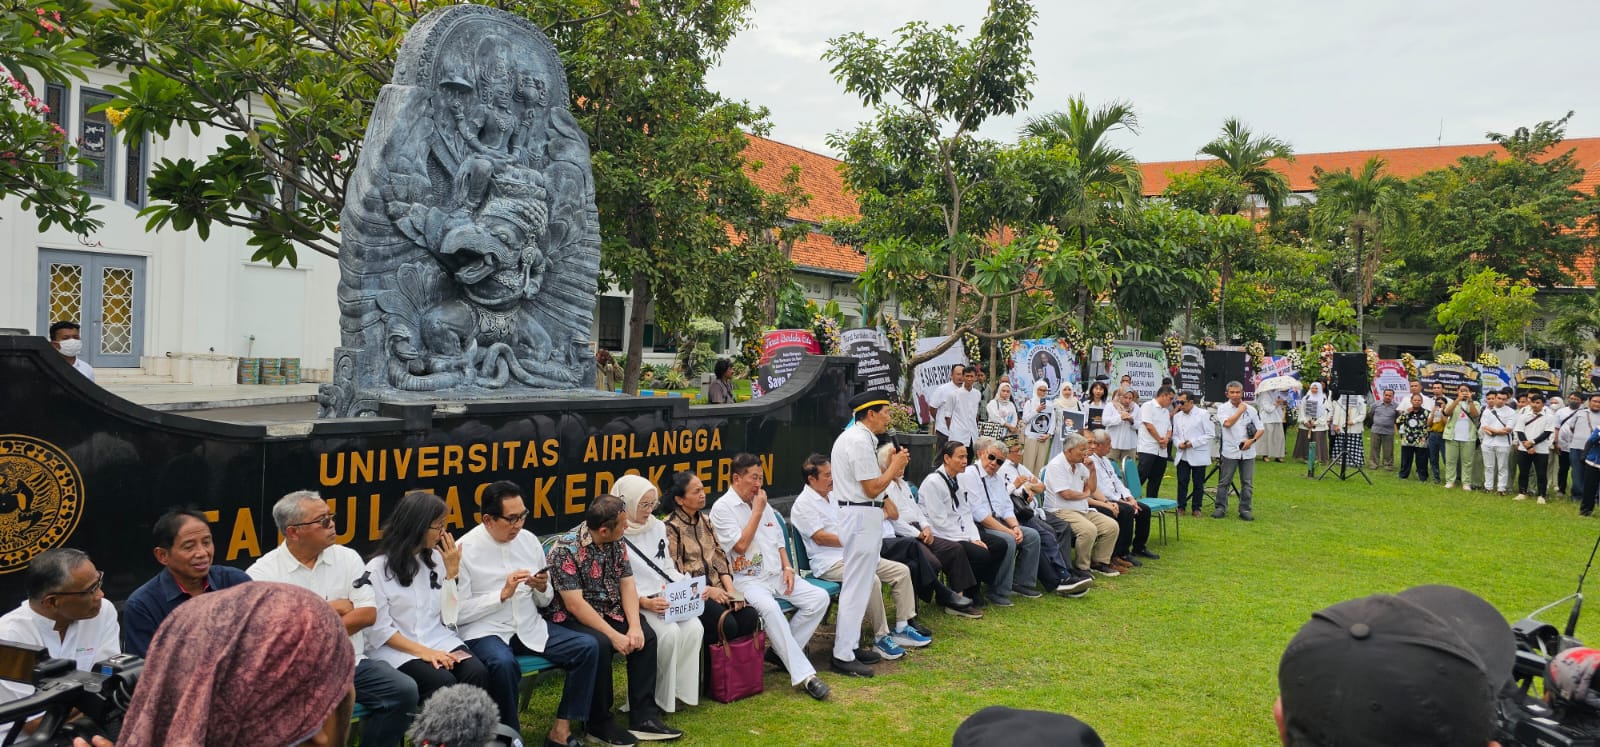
1351 75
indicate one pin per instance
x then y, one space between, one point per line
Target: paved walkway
189 397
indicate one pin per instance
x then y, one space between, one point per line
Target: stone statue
470 242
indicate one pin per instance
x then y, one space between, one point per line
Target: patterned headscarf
259 663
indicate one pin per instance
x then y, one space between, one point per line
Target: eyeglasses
437 526
648 506
98 582
512 519
993 459
325 522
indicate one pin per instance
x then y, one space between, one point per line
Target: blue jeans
1436 455
577 655
390 699
1013 570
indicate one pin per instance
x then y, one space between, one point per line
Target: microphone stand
1344 454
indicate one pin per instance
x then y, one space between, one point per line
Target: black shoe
654 731
849 668
1072 586
572 741
1144 553
1000 601
610 733
866 655
954 600
920 628
1130 560
1105 569
1029 593
1247 516
815 687
1080 574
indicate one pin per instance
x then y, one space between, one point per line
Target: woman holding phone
413 575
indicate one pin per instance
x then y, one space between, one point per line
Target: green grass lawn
1185 650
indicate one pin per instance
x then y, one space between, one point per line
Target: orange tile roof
1402 162
826 199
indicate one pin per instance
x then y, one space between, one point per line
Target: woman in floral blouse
1413 427
694 550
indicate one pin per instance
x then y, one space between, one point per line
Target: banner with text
1041 360
1545 381
1144 363
683 599
876 366
1192 371
930 374
1451 376
781 351
1391 377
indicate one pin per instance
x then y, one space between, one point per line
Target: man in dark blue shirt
184 547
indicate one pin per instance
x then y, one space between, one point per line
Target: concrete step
172 397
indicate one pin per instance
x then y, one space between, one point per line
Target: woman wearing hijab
259 663
413 574
1314 421
694 550
1038 418
1003 411
677 643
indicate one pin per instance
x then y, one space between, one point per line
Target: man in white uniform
1495 427
311 558
66 613
748 531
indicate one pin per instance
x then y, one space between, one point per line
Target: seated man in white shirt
815 516
65 613
311 559
1070 503
997 523
1054 570
747 529
504 581
1132 517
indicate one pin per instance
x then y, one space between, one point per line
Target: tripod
1344 455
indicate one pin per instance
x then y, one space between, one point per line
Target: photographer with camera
66 613
1422 667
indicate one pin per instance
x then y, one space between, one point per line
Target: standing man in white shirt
817 518
942 400
311 558
64 338
964 415
1496 426
997 523
505 579
1535 431
1155 438
1241 427
65 613
748 531
1192 433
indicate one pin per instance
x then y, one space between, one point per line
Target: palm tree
1245 157
1106 175
1365 207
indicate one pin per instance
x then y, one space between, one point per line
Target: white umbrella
1278 384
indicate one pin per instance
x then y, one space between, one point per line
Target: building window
55 97
134 174
611 313
96 145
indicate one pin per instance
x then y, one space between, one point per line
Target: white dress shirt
729 515
332 577
946 510
83 368
1194 427
1059 475
1107 481
418 612
87 641
944 404
1579 426
1498 417
812 513
1232 437
910 520
964 414
1123 428
485 564
855 460
1153 413
990 494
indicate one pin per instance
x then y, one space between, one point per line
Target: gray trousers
1247 482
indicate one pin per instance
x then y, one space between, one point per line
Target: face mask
71 348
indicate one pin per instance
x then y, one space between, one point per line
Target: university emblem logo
41 499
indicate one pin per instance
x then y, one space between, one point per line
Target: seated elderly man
747 529
1421 668
595 596
997 524
504 582
1070 501
1026 488
66 613
815 516
311 558
184 549
1132 517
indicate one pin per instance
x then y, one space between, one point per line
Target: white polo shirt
1059 475
87 641
1154 414
332 577
729 515
812 513
485 564
855 460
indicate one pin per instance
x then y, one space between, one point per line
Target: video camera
1526 719
67 701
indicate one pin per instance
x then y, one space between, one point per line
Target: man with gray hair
66 613
996 519
1070 500
1240 427
311 558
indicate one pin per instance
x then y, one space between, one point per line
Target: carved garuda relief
470 243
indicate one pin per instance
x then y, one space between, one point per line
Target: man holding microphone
858 487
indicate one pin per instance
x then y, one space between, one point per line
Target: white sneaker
1520 497
1467 488
1541 500
1449 485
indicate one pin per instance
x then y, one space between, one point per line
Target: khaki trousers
1094 535
898 577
